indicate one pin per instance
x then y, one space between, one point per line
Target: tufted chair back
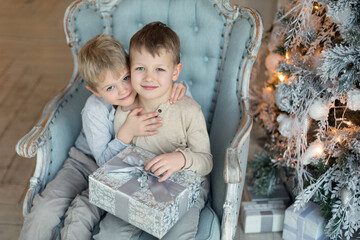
219 44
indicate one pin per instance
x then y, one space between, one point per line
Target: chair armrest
37 142
234 170
29 144
238 150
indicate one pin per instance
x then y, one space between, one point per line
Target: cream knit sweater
183 129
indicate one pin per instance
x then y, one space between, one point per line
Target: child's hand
166 164
178 91
138 125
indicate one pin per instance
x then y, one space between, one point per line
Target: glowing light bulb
287 55
319 150
348 123
281 77
268 90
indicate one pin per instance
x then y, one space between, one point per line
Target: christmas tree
310 109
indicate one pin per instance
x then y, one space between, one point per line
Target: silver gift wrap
307 223
119 188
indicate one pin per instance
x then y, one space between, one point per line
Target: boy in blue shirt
103 64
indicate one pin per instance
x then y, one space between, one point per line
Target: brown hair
98 55
154 37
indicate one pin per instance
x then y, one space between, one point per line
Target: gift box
262 216
123 188
304 224
280 194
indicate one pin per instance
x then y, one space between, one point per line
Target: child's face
152 77
116 91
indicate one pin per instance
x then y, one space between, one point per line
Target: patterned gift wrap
123 188
262 216
279 193
307 224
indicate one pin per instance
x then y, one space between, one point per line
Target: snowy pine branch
342 67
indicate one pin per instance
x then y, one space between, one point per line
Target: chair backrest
215 39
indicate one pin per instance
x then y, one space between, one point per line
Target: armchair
219 44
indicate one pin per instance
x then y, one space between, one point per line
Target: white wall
266 8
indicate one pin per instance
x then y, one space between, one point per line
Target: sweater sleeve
197 154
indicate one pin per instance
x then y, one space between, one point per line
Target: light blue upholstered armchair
219 44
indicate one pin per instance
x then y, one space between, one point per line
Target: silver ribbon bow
161 191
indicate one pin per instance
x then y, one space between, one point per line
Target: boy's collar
152 105
163 107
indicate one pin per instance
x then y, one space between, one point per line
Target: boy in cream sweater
181 143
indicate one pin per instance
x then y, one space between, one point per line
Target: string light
281 77
269 89
316 6
319 150
348 123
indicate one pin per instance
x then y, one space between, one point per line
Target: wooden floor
35 64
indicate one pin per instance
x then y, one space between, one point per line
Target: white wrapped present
123 188
262 216
307 224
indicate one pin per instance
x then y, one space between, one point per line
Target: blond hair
99 55
154 37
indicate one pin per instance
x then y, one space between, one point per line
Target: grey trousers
113 228
66 196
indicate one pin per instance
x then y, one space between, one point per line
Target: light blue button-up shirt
97 136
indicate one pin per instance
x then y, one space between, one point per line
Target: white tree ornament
285 124
345 194
353 99
319 110
272 61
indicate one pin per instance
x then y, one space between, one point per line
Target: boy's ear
93 91
177 71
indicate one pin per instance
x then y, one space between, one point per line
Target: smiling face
152 76
115 89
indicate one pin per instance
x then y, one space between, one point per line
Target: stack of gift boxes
123 188
271 214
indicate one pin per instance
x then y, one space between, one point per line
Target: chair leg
231 211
